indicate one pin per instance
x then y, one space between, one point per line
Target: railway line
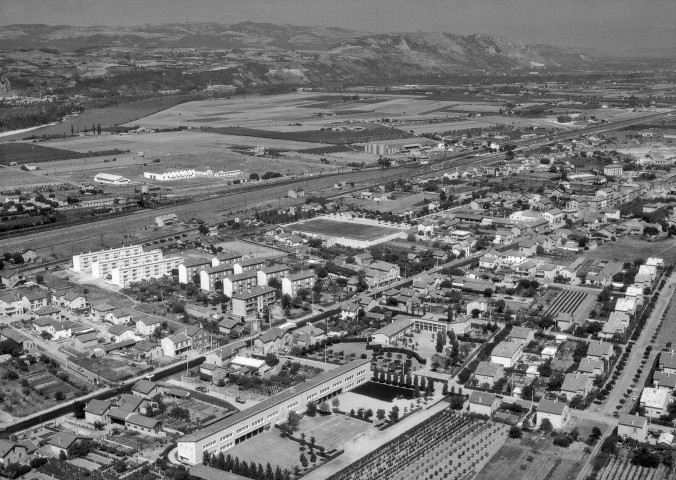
214 206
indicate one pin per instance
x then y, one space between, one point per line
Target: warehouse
110 179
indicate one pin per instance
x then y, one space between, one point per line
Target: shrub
562 442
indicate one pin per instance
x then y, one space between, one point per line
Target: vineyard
621 469
574 302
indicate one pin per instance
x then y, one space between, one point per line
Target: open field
627 249
332 431
358 231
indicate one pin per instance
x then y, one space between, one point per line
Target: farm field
627 249
525 460
619 469
113 115
13 178
359 231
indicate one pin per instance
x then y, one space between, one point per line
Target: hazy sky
616 26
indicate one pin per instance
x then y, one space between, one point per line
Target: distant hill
316 51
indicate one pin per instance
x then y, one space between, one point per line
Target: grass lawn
358 231
627 249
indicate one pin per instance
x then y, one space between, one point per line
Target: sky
619 27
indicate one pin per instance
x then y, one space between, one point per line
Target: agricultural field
13 178
575 302
627 249
328 227
526 459
108 116
112 368
619 469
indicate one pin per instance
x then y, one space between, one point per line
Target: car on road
201 389
240 400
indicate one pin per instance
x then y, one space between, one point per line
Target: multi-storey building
188 269
101 268
275 271
239 282
298 281
210 275
83 261
252 301
123 276
251 265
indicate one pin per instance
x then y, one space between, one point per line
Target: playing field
629 248
358 231
332 431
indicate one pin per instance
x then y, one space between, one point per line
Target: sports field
358 231
629 248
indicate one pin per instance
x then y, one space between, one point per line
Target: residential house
222 356
632 426
228 325
95 411
11 278
523 335
664 380
483 403
120 333
488 373
62 441
119 316
71 300
558 413
506 353
175 345
147 326
22 341
591 367
34 300
272 341
11 304
655 401
599 350
49 311
576 384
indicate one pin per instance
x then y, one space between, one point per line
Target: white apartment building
83 261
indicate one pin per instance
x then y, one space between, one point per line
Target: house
86 341
95 411
309 335
100 310
349 311
506 353
599 350
71 300
664 380
632 426
147 326
655 401
11 278
296 193
523 335
166 220
271 341
363 259
230 324
62 441
146 389
29 255
389 334
11 304
22 341
224 354
592 367
476 305
34 300
303 280
198 337
12 452
175 345
119 316
42 324
576 384
147 351
558 413
120 333
145 425
49 311
60 330
483 403
488 373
